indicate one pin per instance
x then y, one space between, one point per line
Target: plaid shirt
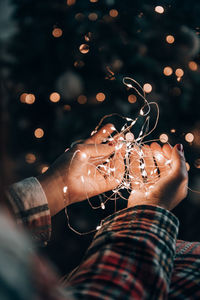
135 254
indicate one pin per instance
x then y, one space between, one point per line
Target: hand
86 170
166 187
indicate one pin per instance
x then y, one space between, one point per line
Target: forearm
30 207
131 257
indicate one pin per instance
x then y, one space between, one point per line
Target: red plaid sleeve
30 207
131 257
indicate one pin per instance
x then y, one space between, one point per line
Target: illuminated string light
189 137
193 65
147 88
113 13
54 97
170 39
159 9
39 133
84 48
57 32
100 97
173 130
30 158
168 71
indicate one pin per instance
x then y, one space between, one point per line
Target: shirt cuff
30 207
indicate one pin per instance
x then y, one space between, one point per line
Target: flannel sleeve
30 208
131 257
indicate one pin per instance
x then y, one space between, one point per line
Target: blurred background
62 64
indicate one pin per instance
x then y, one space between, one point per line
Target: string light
168 71
84 48
54 97
30 158
193 65
39 133
147 88
100 97
159 9
57 32
173 130
170 39
189 137
164 138
93 1
113 13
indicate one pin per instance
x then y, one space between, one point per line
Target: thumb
178 161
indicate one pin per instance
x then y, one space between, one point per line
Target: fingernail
180 147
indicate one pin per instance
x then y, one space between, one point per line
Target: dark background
127 37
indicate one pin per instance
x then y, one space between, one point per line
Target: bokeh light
92 16
82 99
39 133
29 98
193 65
84 48
113 13
71 2
168 71
170 39
54 97
30 158
132 98
159 9
57 32
189 137
147 87
100 97
179 72
67 107
164 138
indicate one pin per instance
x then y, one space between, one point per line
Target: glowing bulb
113 13
84 48
170 39
193 66
159 9
82 99
189 137
54 97
39 133
173 130
100 97
147 88
83 154
163 138
132 98
82 179
103 205
98 227
65 189
57 32
104 131
179 72
168 71
44 169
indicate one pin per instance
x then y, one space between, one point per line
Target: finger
167 150
149 164
101 134
99 151
159 158
178 162
134 171
117 169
